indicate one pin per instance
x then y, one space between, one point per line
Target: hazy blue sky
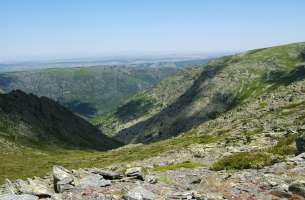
79 28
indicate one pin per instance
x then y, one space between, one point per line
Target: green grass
185 165
165 179
244 160
285 146
28 162
256 160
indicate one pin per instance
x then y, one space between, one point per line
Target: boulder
136 172
297 188
9 187
33 186
139 193
18 197
62 179
94 180
300 140
64 185
107 174
60 173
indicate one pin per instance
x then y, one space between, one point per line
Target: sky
35 29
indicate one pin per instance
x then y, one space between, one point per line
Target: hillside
221 85
41 123
147 103
237 122
86 90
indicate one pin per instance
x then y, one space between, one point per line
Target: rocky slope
221 86
39 121
86 90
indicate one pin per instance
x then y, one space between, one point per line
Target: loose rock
140 193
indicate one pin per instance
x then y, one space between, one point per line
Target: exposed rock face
300 141
51 122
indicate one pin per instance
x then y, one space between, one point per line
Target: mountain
145 104
220 87
40 122
235 119
86 90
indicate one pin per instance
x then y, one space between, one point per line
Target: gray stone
107 174
135 172
60 173
297 188
151 179
34 187
94 180
62 179
18 197
64 185
9 187
181 195
139 193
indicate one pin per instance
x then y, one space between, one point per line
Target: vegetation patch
284 146
244 160
256 160
165 180
185 165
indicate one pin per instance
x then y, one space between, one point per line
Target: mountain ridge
41 122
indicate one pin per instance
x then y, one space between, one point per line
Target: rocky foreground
283 180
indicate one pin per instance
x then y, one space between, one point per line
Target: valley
232 128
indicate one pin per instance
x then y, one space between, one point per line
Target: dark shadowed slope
41 122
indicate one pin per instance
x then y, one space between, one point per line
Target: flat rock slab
18 197
94 181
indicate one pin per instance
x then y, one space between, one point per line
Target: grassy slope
222 85
88 90
145 104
